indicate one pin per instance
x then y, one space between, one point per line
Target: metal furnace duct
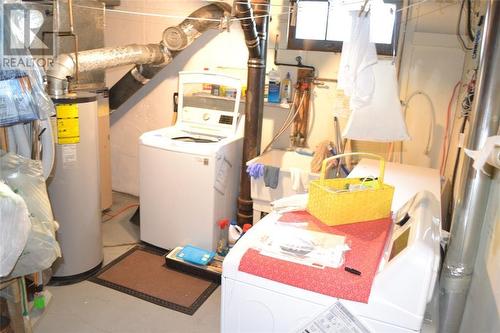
175 39
468 215
150 59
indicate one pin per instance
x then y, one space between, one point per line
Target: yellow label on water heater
68 124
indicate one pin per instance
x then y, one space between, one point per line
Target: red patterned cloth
366 240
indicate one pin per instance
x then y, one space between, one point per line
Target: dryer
189 172
402 290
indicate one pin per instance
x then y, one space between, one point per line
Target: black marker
352 270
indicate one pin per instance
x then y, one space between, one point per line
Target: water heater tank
74 189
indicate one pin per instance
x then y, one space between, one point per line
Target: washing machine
402 289
189 173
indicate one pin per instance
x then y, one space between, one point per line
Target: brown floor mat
141 272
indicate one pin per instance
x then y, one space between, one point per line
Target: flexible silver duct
64 66
472 196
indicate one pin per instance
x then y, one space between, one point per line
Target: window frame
336 46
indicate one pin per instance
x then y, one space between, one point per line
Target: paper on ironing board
302 246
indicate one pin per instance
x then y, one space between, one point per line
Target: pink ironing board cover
367 241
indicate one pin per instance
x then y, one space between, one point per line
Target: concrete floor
87 307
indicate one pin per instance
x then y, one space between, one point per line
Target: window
331 25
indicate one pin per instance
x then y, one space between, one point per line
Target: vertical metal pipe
254 106
472 196
75 36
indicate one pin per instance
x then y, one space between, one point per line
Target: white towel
295 179
299 179
291 203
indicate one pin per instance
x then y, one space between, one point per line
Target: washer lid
168 139
208 103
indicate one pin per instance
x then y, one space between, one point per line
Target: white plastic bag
15 226
381 119
24 176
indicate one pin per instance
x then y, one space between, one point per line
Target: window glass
322 25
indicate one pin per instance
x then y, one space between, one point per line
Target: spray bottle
222 247
234 233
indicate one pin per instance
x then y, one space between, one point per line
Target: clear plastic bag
26 66
24 177
17 104
22 92
296 243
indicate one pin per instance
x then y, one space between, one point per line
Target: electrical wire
463 114
411 5
444 149
470 33
468 99
288 10
170 16
459 23
120 211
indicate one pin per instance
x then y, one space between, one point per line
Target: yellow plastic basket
333 205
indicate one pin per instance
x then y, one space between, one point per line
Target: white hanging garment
355 75
381 118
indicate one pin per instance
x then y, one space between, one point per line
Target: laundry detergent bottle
286 89
274 87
